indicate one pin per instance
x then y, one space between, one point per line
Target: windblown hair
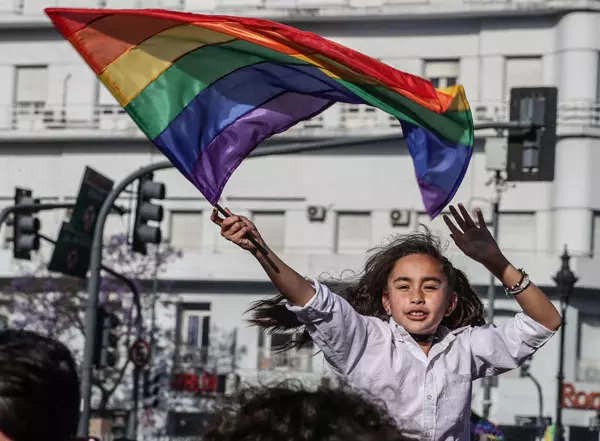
289 412
365 294
39 388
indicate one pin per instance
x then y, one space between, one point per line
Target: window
31 94
271 355
442 73
271 225
587 348
186 230
517 231
353 232
32 85
193 333
522 72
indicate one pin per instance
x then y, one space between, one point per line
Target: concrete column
577 47
492 78
469 76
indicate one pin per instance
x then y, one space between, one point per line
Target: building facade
323 209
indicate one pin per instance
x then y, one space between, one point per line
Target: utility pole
565 280
491 292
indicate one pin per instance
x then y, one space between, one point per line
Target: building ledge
337 10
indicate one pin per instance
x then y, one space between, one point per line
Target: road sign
71 253
94 189
139 353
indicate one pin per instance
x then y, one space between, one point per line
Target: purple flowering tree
55 306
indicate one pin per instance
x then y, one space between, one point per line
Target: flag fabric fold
208 89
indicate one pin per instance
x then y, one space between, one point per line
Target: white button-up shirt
428 395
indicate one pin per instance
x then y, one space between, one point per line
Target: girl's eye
431 287
402 287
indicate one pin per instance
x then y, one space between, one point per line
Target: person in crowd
39 388
288 411
411 329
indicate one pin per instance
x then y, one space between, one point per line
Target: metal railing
43 119
297 360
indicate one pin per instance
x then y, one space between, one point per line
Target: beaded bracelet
520 286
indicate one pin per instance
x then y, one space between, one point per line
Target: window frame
182 307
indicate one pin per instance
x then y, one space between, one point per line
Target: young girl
411 331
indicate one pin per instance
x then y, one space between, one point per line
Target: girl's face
417 295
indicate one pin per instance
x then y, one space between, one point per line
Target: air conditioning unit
316 213
400 218
591 374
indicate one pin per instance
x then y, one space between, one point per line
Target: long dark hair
365 293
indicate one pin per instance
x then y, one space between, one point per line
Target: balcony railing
299 360
39 119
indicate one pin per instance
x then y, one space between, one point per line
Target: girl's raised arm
292 285
477 242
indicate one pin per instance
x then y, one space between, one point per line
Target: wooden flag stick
252 239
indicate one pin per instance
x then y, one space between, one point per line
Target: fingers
453 229
215 217
480 219
457 218
237 236
466 216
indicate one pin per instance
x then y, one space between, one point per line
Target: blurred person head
39 388
289 412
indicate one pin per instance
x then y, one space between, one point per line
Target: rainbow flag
206 90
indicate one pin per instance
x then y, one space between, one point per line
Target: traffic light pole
491 293
93 290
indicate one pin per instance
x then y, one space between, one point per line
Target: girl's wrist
496 264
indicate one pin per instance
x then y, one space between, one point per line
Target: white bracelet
520 286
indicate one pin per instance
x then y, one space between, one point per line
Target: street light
565 280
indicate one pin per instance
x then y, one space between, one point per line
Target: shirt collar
401 334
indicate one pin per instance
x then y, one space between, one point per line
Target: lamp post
565 280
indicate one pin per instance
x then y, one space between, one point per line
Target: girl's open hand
236 228
475 240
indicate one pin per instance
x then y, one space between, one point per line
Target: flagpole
252 239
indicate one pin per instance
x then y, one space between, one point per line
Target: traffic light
107 339
152 385
146 211
531 152
25 226
120 418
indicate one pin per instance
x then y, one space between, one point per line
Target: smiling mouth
417 315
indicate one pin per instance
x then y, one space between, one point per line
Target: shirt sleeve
335 327
497 349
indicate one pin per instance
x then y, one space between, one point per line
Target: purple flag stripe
221 157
